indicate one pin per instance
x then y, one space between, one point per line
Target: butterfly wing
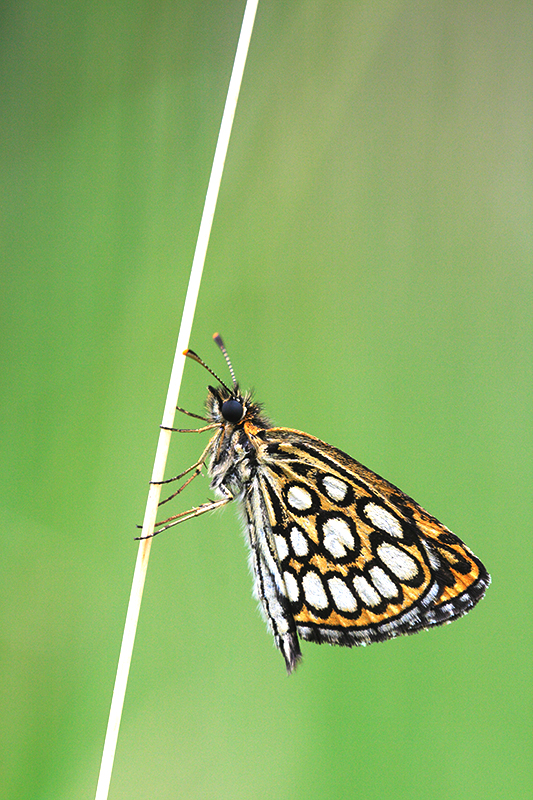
269 584
346 556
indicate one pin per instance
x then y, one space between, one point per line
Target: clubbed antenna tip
217 338
191 354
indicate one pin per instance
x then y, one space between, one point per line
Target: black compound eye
232 410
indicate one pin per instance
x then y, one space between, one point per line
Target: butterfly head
229 405
226 405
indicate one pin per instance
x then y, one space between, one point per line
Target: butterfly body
339 555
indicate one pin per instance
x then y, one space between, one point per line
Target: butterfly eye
232 410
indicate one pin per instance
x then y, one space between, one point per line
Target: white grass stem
141 565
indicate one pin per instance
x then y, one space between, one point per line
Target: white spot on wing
367 593
342 596
383 520
299 542
314 590
292 586
383 583
335 488
431 595
299 498
337 536
281 547
403 566
434 560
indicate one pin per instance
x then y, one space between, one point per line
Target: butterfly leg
196 469
192 512
190 414
191 430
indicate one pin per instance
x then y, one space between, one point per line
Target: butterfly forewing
338 554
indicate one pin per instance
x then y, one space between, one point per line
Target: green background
370 268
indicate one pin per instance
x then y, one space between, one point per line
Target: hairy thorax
232 461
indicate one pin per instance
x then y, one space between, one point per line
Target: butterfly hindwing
269 585
358 560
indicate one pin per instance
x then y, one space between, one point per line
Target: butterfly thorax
233 461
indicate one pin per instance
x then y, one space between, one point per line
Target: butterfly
338 554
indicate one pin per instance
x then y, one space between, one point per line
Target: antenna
195 357
217 338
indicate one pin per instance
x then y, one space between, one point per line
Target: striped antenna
195 357
217 338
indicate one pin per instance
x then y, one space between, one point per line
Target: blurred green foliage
370 269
